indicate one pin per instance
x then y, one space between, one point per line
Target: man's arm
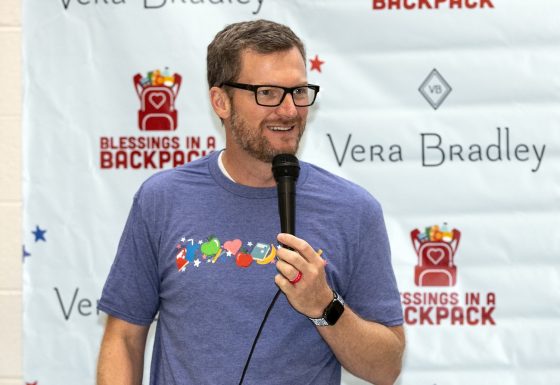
121 357
367 349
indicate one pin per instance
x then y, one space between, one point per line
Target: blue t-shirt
199 249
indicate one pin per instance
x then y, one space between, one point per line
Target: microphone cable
258 335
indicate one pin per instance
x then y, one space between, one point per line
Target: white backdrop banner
447 111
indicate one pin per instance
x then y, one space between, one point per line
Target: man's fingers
287 270
283 283
292 257
299 245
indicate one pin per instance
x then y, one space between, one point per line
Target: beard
253 141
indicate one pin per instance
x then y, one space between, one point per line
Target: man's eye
270 92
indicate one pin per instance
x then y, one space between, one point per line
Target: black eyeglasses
273 96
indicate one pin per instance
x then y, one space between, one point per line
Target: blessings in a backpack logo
157 114
435 273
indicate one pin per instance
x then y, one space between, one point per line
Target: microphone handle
287 205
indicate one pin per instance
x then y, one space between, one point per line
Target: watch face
333 312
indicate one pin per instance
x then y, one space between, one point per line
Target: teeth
279 128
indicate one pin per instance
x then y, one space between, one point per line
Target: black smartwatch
332 312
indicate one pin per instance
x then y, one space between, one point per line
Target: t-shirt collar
246 191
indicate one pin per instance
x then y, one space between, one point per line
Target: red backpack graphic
157 104
435 259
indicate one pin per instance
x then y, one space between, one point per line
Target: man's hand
367 349
311 294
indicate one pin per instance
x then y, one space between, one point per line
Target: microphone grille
285 165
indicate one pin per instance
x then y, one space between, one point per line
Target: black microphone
285 168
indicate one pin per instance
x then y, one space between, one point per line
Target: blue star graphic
39 234
25 252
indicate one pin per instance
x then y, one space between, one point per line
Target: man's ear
220 102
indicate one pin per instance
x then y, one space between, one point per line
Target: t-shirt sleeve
372 291
131 292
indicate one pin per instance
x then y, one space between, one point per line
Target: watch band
332 312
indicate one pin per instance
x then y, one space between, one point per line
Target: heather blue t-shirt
199 249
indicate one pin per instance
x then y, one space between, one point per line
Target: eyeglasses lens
273 96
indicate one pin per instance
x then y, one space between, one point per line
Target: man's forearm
121 357
119 364
366 349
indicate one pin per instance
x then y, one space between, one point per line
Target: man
201 247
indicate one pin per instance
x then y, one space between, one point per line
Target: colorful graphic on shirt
211 248
267 257
194 254
243 258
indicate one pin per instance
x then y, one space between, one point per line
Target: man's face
260 131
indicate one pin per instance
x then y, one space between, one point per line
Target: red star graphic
316 63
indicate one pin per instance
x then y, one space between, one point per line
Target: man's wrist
327 298
331 313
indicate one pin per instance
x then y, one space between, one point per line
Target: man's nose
287 107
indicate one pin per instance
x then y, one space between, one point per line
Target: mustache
284 122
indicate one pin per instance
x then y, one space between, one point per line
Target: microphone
285 168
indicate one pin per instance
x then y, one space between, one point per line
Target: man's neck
246 170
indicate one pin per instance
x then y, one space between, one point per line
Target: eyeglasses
273 96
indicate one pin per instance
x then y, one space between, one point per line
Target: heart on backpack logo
435 256
157 99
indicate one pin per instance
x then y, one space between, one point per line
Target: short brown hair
263 36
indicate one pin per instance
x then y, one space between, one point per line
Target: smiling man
261 114
200 243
